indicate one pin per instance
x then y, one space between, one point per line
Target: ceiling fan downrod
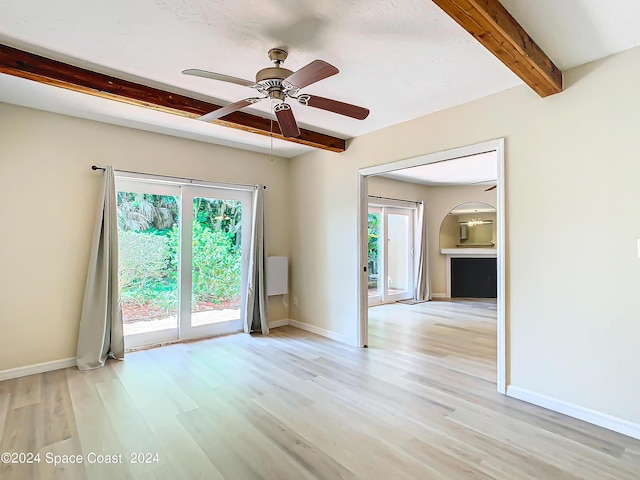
269 80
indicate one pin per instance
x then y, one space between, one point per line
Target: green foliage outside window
149 244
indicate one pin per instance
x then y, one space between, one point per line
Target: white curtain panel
256 298
422 287
101 331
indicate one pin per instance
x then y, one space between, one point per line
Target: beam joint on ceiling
53 72
494 27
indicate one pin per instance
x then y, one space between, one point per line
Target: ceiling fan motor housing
269 81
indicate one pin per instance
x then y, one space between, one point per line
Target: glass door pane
374 255
148 239
215 249
216 271
399 254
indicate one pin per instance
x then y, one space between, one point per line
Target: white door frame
363 174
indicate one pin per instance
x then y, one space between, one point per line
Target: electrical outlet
639 248
295 301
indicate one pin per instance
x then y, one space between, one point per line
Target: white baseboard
279 323
581 413
439 295
319 331
37 368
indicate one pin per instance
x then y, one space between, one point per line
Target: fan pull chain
271 133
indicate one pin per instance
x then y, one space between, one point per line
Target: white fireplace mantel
465 253
470 252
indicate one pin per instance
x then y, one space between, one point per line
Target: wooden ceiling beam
52 72
494 27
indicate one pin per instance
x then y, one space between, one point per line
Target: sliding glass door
183 259
390 254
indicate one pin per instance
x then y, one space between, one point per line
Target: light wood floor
420 403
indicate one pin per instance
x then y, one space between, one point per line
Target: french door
391 254
183 259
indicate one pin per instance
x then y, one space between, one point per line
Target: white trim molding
576 411
439 295
37 368
279 323
320 331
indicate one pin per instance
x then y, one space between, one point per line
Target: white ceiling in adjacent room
474 169
401 59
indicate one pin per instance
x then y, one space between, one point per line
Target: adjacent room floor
420 403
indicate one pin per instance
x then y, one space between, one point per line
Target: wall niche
469 225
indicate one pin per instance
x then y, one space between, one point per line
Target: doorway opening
467 162
182 255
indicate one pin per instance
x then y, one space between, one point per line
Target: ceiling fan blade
286 120
334 106
491 188
218 76
226 110
312 73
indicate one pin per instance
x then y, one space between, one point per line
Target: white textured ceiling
471 170
402 59
575 32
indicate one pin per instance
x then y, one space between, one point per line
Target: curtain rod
395 199
95 167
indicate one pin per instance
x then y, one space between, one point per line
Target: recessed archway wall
496 146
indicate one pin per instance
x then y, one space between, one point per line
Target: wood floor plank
96 433
25 391
319 464
5 399
22 435
53 466
552 449
419 403
125 419
59 420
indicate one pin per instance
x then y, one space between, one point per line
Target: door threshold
138 348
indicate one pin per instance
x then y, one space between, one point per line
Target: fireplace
474 277
471 272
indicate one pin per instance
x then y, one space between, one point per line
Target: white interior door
183 259
390 269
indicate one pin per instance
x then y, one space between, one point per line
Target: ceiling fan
279 84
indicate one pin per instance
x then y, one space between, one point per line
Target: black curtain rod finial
94 167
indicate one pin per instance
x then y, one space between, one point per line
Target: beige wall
48 201
572 173
387 187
